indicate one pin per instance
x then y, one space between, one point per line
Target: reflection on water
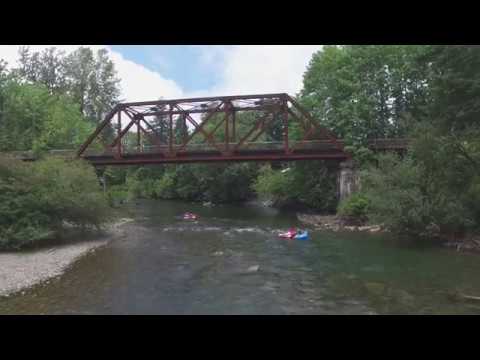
230 261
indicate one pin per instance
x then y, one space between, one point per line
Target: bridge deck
258 151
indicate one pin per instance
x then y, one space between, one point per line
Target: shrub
408 198
165 186
354 206
117 194
274 185
39 199
308 184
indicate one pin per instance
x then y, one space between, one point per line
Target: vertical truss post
138 136
119 131
185 130
228 107
234 138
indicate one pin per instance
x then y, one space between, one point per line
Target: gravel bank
20 270
334 223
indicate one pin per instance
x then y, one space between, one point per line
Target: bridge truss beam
158 121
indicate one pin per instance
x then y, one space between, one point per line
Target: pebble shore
22 269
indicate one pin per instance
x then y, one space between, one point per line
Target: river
231 261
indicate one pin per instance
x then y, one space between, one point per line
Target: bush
354 206
310 184
117 194
196 182
408 198
38 199
274 185
165 186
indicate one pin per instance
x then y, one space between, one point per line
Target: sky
148 72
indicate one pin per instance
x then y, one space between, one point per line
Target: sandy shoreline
20 270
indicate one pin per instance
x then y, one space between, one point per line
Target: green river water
164 265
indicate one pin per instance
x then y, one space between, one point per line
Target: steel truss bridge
212 129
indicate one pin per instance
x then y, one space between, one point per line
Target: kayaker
189 216
289 234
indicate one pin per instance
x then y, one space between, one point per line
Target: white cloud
140 84
263 69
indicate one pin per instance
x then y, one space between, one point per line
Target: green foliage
89 78
117 194
165 186
311 184
354 206
197 182
407 198
274 185
366 91
33 119
38 199
426 93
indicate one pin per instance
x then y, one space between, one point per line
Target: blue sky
185 64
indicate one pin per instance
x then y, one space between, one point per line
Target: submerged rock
218 253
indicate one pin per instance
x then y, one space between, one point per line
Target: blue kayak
302 236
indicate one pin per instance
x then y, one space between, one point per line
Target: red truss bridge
227 128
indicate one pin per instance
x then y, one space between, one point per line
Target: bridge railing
322 145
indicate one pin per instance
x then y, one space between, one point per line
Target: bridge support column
348 180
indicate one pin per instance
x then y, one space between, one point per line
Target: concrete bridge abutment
348 179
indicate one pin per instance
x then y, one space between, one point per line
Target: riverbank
23 269
335 223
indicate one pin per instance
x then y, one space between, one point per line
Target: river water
231 261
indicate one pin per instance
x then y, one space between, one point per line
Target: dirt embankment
23 269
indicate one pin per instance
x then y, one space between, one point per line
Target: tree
366 91
32 118
92 81
46 68
3 82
